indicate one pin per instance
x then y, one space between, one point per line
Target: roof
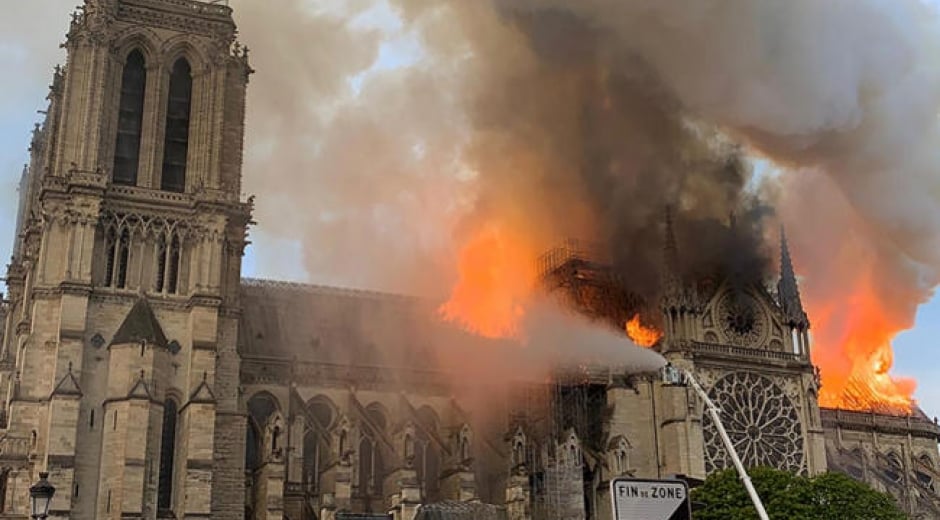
460 511
140 324
332 325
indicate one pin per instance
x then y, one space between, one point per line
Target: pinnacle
787 287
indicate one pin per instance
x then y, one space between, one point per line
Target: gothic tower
749 348
119 368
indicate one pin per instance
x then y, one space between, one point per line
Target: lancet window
176 140
117 253
317 442
427 456
371 465
167 450
130 119
167 263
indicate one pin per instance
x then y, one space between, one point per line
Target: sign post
641 499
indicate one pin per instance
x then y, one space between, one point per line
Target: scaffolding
581 276
565 421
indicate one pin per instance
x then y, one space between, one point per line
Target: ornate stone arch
143 38
184 46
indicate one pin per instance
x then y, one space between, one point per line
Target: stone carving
761 420
741 319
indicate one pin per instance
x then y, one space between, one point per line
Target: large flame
852 347
496 276
642 335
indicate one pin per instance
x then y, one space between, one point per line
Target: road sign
640 499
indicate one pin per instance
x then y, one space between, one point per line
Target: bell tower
118 369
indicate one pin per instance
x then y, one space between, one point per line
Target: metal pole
713 412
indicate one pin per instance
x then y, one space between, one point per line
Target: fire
852 347
642 335
496 276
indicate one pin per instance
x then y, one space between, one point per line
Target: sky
30 34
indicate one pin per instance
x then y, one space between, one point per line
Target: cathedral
150 380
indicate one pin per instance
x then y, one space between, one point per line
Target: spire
671 281
670 249
787 289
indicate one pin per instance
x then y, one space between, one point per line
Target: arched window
167 450
167 264
173 268
428 455
371 464
117 247
260 408
161 246
317 441
130 119
176 143
123 256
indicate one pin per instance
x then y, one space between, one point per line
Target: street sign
640 499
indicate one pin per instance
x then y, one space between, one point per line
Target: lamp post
40 496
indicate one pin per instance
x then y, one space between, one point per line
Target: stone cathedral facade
151 381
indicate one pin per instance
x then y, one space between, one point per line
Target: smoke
584 119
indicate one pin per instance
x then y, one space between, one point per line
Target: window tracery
760 419
741 318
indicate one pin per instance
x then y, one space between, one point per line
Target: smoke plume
552 119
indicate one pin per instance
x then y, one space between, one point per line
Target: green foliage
791 497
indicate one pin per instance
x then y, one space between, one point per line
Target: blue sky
30 33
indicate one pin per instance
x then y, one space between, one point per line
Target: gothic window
895 468
110 254
427 455
317 441
176 143
316 458
742 319
371 466
167 264
161 263
167 450
760 419
260 409
118 251
130 119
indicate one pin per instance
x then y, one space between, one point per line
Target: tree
787 496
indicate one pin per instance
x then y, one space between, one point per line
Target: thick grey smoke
586 118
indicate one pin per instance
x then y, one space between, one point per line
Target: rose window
761 421
741 319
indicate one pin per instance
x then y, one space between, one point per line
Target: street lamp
40 496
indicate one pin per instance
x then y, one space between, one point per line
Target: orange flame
496 275
852 347
642 335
